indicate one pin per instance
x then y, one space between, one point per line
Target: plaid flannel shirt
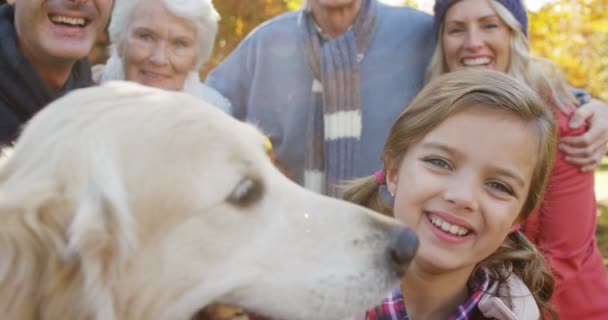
393 307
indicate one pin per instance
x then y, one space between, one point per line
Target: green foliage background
574 35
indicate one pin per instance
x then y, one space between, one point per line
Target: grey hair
201 13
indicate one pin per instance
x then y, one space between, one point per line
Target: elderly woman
163 43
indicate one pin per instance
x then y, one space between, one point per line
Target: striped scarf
333 146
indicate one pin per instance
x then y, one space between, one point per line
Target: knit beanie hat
516 7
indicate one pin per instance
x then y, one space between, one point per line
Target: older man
43 45
326 82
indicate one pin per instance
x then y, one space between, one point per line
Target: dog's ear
102 231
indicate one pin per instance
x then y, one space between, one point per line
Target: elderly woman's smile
152 78
160 49
163 44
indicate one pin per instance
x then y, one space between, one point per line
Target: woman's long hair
539 73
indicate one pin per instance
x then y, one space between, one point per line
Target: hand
588 149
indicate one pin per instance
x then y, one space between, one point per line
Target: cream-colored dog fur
125 202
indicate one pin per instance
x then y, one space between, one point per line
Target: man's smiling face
59 30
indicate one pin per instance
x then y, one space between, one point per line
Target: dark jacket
22 91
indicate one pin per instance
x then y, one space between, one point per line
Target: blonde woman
585 150
492 34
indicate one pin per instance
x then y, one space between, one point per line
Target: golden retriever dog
123 202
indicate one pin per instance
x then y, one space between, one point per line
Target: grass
601 191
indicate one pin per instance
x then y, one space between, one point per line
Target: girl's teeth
448 227
454 229
445 226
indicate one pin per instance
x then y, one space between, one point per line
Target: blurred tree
99 53
411 3
574 35
293 4
238 19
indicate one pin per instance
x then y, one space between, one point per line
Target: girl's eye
438 162
490 26
501 187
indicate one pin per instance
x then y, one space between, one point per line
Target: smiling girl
454 176
492 34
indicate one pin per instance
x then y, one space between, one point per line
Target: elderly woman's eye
180 44
247 192
145 36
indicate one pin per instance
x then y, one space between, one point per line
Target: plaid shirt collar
393 306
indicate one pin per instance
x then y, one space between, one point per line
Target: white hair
201 13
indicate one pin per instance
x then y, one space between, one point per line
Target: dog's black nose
402 248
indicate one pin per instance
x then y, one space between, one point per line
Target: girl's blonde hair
452 93
540 74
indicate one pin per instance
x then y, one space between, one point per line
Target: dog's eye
248 191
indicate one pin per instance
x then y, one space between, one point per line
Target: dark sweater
22 91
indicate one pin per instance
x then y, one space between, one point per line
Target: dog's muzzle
401 249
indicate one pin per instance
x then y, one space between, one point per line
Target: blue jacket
268 82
